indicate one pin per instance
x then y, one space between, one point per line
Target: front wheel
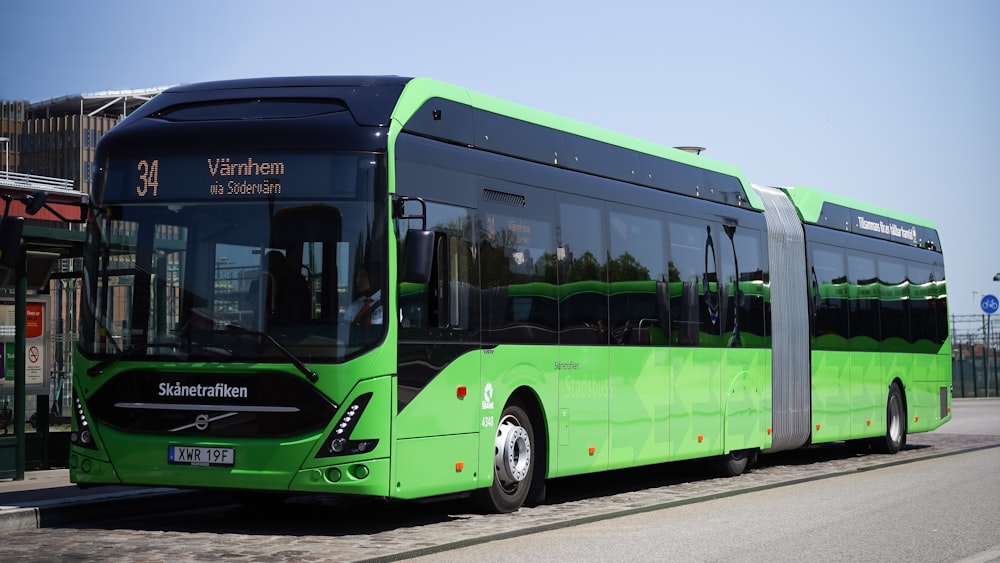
513 461
895 423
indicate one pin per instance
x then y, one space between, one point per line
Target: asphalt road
973 417
941 509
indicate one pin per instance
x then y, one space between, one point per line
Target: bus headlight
340 442
82 436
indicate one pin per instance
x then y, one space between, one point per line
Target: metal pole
961 370
20 328
975 375
996 382
986 354
6 155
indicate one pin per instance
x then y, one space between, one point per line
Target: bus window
449 300
638 274
694 296
864 323
922 293
583 297
829 295
894 315
743 288
518 265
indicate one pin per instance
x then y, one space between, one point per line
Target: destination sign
236 177
879 226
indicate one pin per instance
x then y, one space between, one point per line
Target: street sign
990 304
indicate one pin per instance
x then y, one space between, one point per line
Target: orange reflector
768 430
868 422
916 419
459 465
817 427
949 409
701 438
461 391
592 450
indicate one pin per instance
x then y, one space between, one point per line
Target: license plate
194 455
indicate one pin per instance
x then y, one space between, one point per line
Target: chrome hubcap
512 452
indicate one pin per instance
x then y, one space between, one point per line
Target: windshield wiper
310 374
134 351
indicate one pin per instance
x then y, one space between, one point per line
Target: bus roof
397 101
488 123
564 151
809 202
846 214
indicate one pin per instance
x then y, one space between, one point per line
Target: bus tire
734 463
895 423
513 461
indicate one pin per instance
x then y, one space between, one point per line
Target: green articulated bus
403 289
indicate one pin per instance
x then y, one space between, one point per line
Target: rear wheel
735 463
895 423
513 461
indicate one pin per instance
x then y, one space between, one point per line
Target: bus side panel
924 393
640 406
583 409
436 437
439 409
870 389
747 415
944 364
832 397
436 465
695 402
532 370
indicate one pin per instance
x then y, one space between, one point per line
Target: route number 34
149 172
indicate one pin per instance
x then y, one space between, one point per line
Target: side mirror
11 229
418 256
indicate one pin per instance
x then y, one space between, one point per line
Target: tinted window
447 306
518 261
638 273
829 291
694 297
923 296
864 294
940 304
583 303
893 310
743 290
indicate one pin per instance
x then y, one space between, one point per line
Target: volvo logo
201 421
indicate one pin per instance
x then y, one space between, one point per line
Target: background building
49 146
56 138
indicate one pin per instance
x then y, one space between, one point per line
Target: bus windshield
239 279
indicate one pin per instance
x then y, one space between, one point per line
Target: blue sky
892 102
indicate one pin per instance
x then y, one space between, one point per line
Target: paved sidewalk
22 503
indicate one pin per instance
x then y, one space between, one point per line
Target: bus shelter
41 225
